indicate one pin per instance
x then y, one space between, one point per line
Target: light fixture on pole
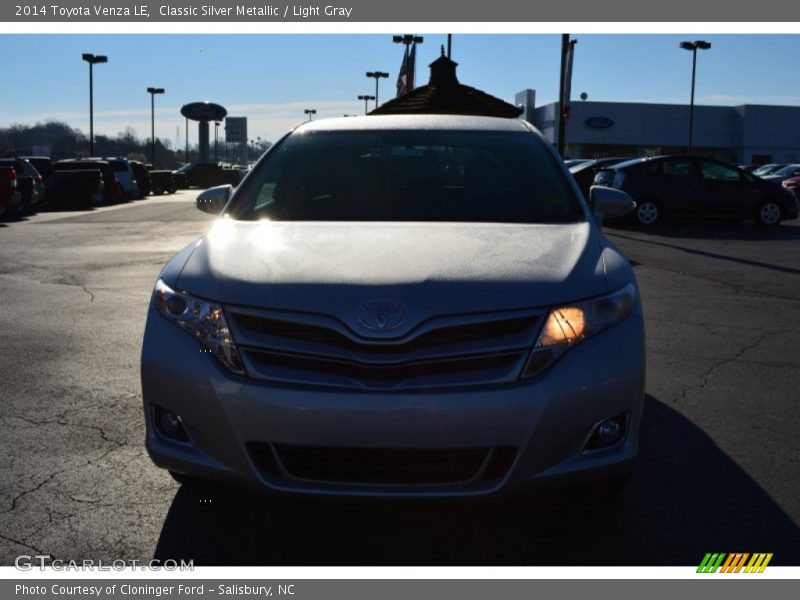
366 100
153 91
310 112
693 47
93 60
377 76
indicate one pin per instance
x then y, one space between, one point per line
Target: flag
402 77
405 78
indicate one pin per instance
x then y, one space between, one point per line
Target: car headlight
204 320
569 325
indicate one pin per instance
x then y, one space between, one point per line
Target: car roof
415 122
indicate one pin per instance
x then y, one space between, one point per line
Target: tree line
64 141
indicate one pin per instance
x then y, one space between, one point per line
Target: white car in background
123 171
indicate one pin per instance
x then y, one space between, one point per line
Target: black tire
769 213
648 212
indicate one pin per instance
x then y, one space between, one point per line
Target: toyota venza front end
398 306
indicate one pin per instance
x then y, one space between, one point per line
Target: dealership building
746 134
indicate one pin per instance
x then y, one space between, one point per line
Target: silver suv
398 306
123 171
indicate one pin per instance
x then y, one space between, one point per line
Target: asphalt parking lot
719 468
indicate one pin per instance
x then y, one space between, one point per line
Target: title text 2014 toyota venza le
398 305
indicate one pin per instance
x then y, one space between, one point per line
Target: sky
272 78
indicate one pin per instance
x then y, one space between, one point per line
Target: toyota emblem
381 315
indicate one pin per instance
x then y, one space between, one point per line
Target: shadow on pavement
716 255
713 230
686 498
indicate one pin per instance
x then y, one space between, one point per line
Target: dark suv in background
204 175
112 191
695 187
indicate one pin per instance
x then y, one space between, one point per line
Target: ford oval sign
599 123
204 111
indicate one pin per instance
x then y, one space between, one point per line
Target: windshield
768 169
787 170
417 175
120 166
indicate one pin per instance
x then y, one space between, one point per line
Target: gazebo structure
444 95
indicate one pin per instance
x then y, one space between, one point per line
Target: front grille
382 466
443 352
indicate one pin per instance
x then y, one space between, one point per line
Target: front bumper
546 420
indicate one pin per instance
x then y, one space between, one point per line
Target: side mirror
214 199
609 203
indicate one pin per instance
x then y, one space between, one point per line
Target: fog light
607 433
169 424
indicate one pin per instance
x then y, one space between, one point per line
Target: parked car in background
786 172
179 177
460 340
583 173
10 197
124 174
685 187
163 182
112 192
142 175
205 175
768 169
81 188
43 164
29 182
793 185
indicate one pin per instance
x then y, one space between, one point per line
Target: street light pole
366 100
92 60
153 91
310 112
216 140
693 47
377 75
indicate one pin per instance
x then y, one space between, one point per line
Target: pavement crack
65 423
21 543
116 445
705 376
91 295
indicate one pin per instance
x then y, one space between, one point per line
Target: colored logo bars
733 563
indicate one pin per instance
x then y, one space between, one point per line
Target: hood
431 268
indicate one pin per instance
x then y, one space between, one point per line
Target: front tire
769 213
648 212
